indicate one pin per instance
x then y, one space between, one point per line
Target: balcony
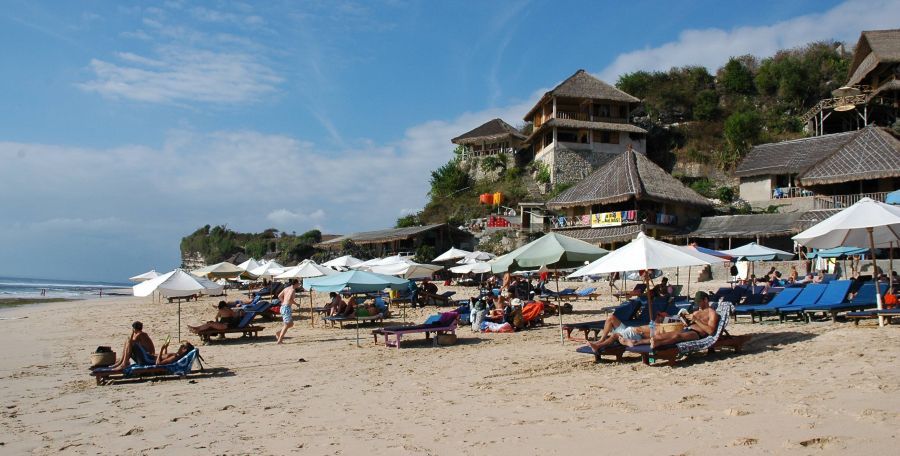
844 201
587 117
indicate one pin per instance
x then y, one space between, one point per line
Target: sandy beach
797 389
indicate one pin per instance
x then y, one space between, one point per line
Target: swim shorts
286 313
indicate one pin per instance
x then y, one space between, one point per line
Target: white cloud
178 74
712 47
288 220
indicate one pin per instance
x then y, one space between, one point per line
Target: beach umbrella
223 270
893 197
644 253
270 269
476 257
452 254
249 264
866 222
355 282
407 269
152 274
173 284
551 251
838 252
343 262
474 268
756 252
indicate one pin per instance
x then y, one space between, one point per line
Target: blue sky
126 125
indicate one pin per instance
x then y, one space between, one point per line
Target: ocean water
19 287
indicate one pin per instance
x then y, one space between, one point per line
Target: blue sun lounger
835 294
808 296
864 299
181 368
785 298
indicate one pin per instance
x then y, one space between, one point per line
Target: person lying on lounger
226 318
167 358
698 325
628 336
137 337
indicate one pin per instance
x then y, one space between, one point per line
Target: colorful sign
606 219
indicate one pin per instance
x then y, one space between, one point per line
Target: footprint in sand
820 442
744 441
736 412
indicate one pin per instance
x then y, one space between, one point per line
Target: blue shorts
286 313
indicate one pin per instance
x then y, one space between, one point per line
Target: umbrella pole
878 302
312 312
689 283
179 321
891 264
562 339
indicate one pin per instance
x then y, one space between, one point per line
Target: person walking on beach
287 300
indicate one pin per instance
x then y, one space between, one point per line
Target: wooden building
405 240
579 123
491 138
626 195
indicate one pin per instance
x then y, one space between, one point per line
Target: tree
496 162
742 130
408 220
707 106
736 78
447 180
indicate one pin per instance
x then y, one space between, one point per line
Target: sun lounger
834 293
244 327
380 316
562 293
585 326
780 300
808 296
616 349
889 315
864 299
638 290
446 324
442 299
180 368
719 339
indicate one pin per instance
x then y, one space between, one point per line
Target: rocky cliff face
191 261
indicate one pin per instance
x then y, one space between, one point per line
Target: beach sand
797 389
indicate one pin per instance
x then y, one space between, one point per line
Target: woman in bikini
226 318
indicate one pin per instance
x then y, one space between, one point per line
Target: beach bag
103 356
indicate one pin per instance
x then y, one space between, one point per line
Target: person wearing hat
698 325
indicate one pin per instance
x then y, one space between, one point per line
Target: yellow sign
606 219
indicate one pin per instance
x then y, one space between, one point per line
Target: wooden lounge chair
442 299
439 327
835 293
585 327
585 293
888 314
864 299
180 368
782 299
638 290
244 327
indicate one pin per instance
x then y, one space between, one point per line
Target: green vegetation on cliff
219 243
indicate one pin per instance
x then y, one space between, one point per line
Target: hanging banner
606 219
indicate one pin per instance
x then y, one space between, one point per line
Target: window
623 111
606 137
566 136
601 110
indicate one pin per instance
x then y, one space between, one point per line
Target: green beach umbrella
551 251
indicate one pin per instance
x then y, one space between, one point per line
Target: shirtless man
627 336
287 300
226 318
139 337
702 323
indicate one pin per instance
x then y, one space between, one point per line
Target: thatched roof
629 175
583 85
603 235
790 157
810 218
871 153
874 47
374 237
488 132
746 226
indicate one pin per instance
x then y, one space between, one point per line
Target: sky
125 126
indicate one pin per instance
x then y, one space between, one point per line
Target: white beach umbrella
406 269
152 274
868 222
305 269
270 269
475 268
476 256
173 284
219 270
756 252
249 264
345 261
452 254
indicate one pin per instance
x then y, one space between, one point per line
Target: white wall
756 188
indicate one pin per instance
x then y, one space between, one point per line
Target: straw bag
103 359
663 328
446 339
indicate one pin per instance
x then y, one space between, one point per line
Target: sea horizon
12 287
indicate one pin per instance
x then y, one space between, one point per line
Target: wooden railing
573 115
792 192
843 201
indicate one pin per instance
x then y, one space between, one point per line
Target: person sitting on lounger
137 337
699 324
226 318
627 336
167 358
498 312
337 306
349 306
663 290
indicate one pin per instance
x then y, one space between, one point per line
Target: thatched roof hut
874 47
871 153
629 175
583 85
489 132
790 157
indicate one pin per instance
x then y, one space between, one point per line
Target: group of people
697 325
140 348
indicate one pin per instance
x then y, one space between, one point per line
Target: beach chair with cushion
864 299
835 293
638 290
586 293
719 339
888 314
181 368
807 297
360 319
562 293
442 299
444 323
782 299
244 327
